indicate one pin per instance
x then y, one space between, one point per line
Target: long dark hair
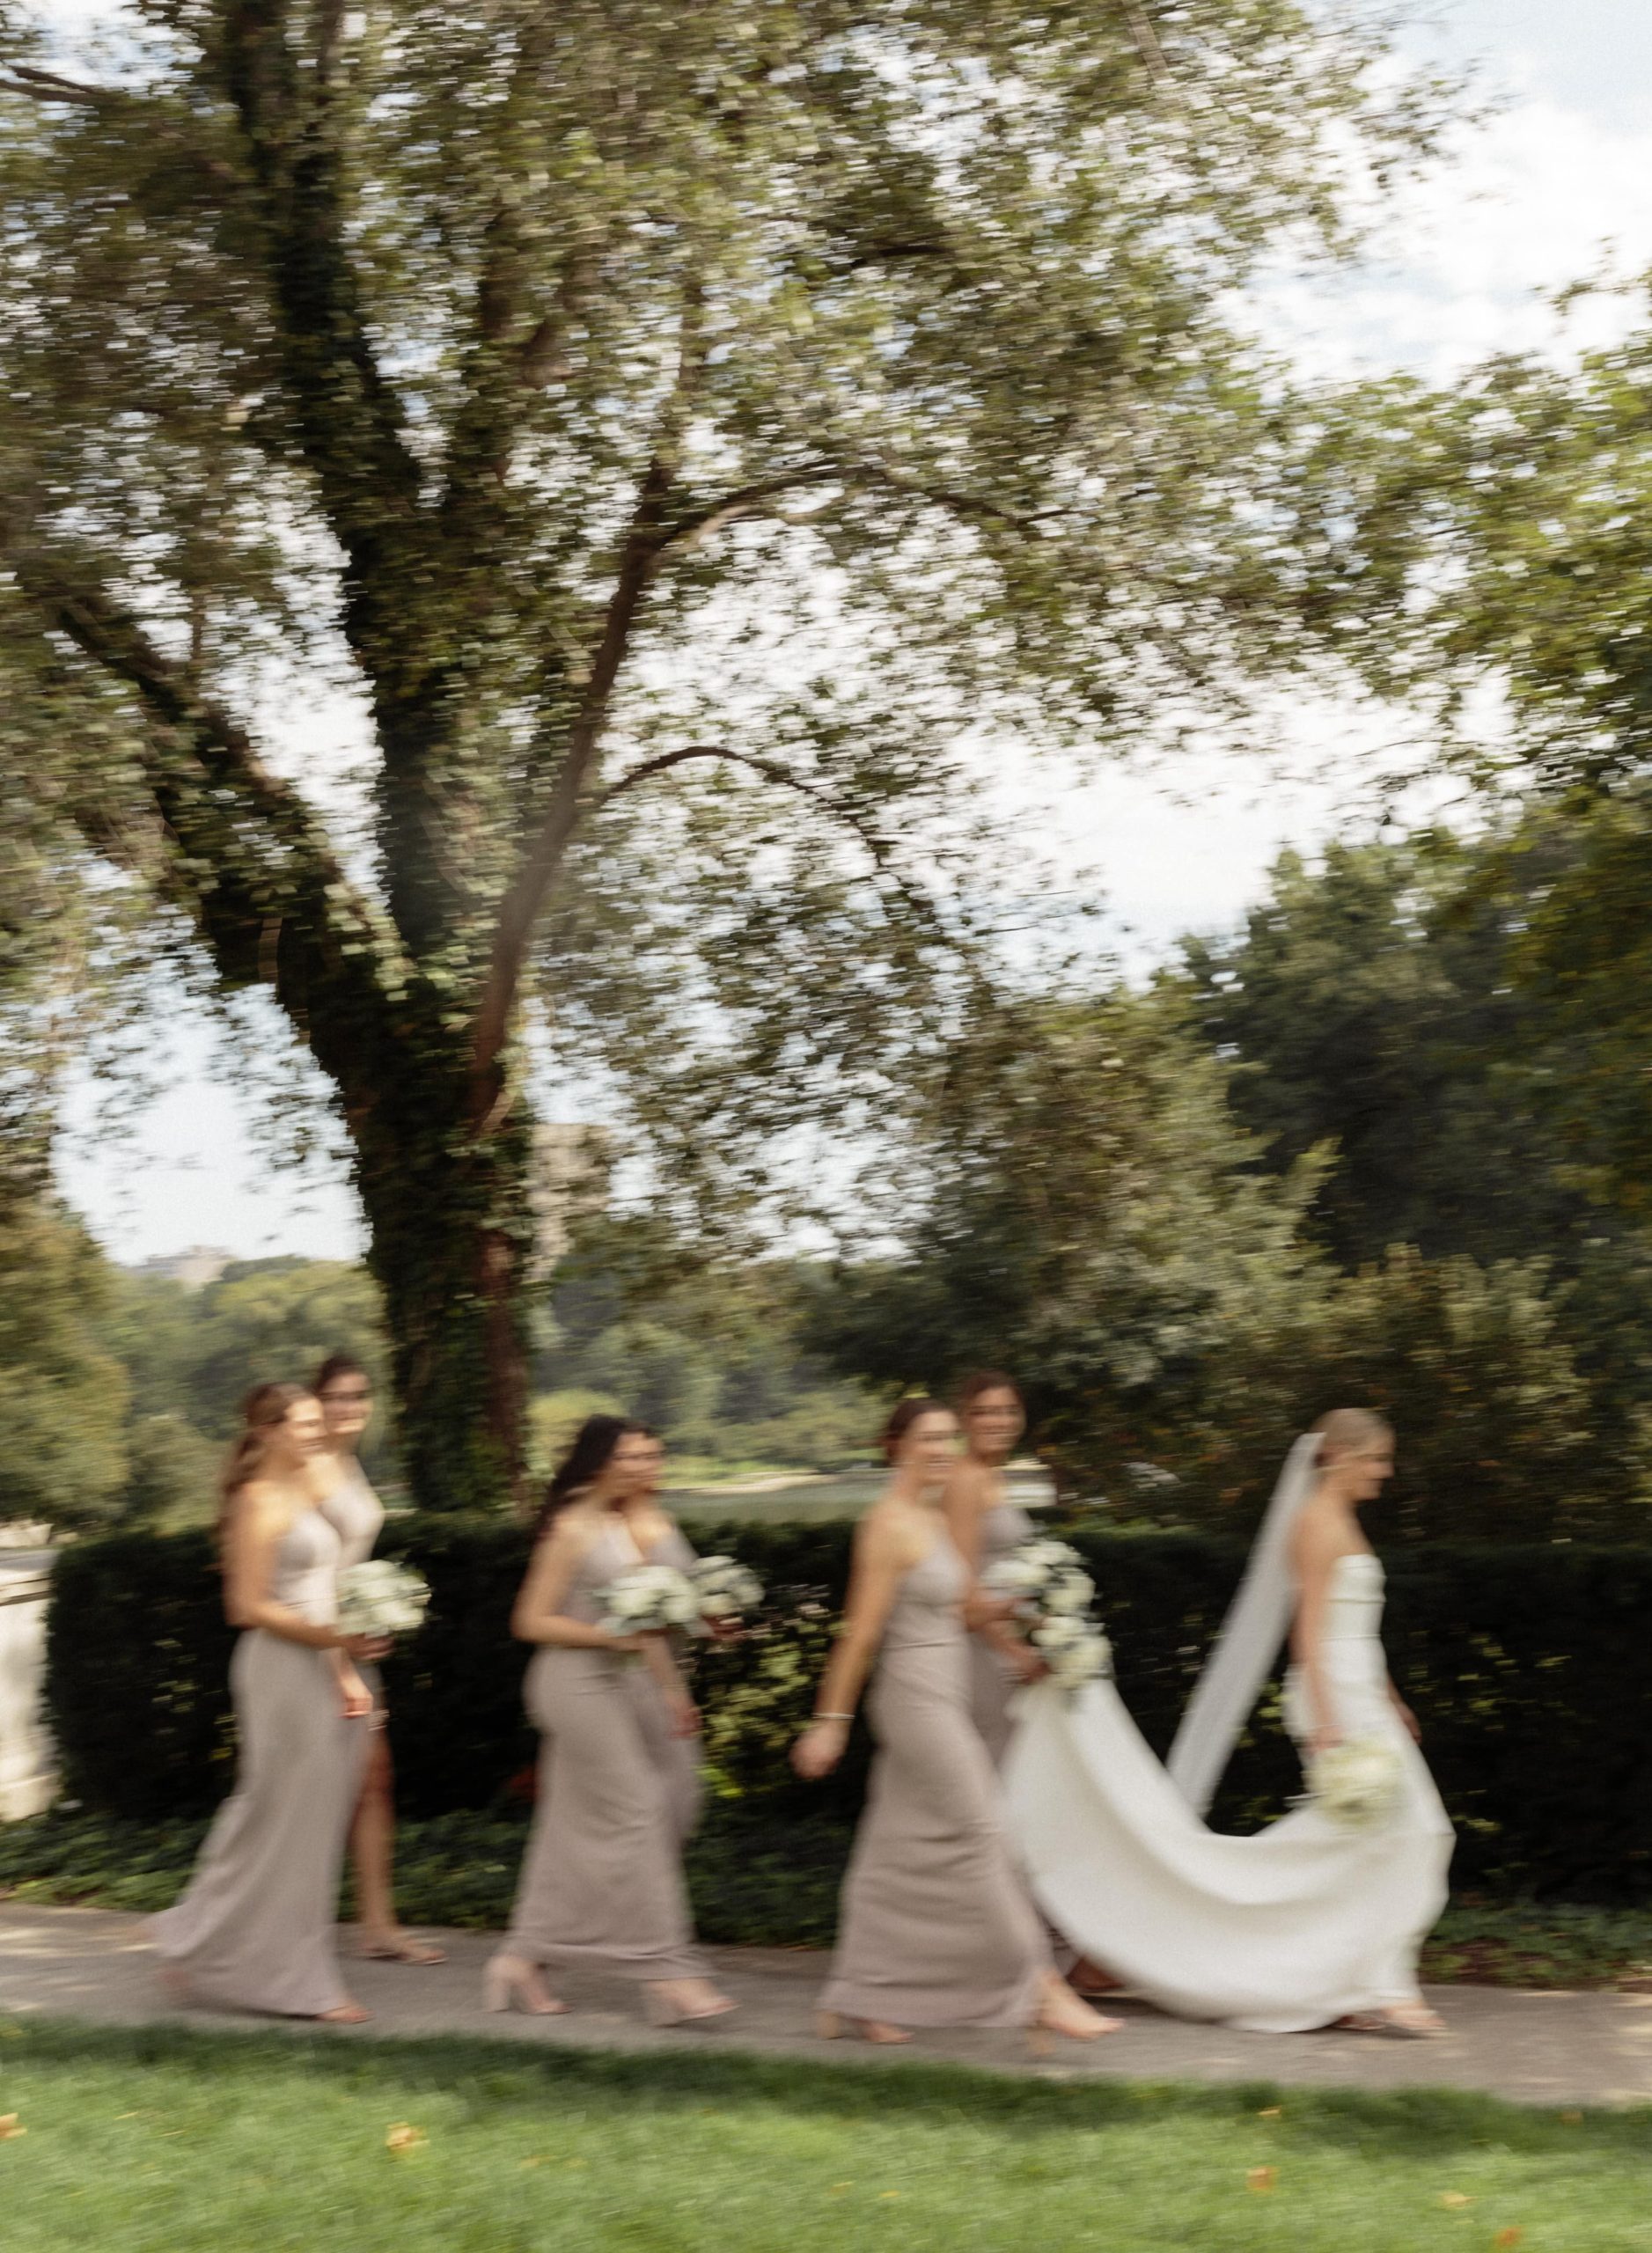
584 1463
264 1410
335 1367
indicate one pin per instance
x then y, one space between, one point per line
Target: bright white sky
1558 182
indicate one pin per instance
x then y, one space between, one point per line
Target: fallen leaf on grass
400 2140
10 2127
1505 2237
889 2194
1272 2112
1261 2178
1572 2119
1455 2199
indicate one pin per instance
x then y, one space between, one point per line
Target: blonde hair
264 1410
1350 1431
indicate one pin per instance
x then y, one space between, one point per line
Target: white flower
647 1598
1355 1783
1069 1592
724 1587
380 1597
1088 1657
1014 1575
1057 1632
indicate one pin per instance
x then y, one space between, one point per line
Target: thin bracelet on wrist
834 1717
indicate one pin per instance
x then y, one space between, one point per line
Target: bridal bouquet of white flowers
1042 1576
1047 1584
1073 1647
381 1597
647 1598
724 1587
1356 1782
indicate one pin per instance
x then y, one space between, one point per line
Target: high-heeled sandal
400 1948
345 2013
512 1982
832 2028
1423 2024
662 2010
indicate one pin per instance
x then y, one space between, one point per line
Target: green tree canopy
674 429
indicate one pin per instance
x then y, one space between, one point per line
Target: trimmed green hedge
1531 1668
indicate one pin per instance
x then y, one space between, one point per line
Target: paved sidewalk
1537 2049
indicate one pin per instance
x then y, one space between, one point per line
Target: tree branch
771 770
349 419
47 87
529 887
248 861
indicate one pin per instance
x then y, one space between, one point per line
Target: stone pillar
28 1781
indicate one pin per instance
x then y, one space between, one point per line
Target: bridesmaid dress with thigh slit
602 1882
255 1930
936 1928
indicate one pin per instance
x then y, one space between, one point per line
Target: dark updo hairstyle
987 1380
264 1410
335 1367
904 1415
584 1463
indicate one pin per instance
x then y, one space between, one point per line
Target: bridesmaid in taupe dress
985 1526
255 1929
602 1883
346 1394
936 1928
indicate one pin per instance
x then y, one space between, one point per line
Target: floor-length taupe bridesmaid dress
602 1881
255 1930
992 1682
935 1926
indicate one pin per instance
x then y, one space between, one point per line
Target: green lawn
172 2140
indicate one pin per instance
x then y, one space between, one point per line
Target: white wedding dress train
1292 1928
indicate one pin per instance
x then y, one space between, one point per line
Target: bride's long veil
1249 1641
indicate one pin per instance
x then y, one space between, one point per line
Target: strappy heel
512 1982
832 2027
662 2010
1429 2026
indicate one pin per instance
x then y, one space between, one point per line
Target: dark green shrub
1531 1668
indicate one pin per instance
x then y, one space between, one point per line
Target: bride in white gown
1307 1923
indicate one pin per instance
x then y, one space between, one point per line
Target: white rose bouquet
647 1599
724 1587
1356 1782
1050 1589
1073 1647
381 1598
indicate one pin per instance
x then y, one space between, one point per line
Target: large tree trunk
451 1232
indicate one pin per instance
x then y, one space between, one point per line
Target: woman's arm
882 1553
256 1525
536 1616
1316 1549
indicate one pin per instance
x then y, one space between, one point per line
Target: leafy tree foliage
1098 1222
62 1395
671 428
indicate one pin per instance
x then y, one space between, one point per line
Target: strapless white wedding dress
1290 1929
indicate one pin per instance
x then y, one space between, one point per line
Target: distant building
194 1269
571 1166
